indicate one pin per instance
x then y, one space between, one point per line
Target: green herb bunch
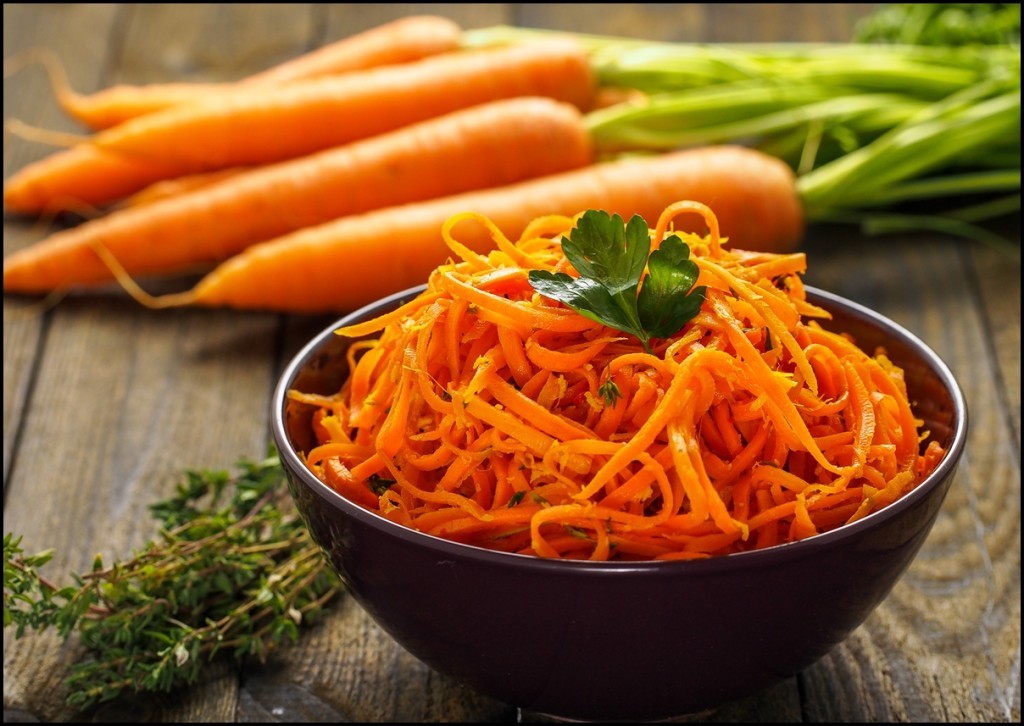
236 577
942 24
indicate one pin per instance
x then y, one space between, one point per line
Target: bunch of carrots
517 424
296 182
286 188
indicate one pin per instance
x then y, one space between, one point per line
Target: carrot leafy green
914 125
610 256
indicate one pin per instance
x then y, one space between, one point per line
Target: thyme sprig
232 572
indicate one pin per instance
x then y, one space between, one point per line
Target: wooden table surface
105 403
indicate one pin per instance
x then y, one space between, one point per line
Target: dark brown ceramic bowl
622 641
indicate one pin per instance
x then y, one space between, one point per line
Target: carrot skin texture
178 185
283 122
483 146
401 41
342 265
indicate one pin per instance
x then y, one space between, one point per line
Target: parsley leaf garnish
610 257
663 302
377 484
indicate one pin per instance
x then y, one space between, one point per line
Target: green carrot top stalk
921 110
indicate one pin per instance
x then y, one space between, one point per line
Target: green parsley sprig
611 257
236 577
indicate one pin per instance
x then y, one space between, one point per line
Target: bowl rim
447 549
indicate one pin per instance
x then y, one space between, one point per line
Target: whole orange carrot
483 146
339 266
400 41
272 124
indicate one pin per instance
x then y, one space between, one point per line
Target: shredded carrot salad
485 413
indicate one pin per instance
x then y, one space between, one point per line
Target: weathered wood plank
945 645
349 18
701 22
33 669
211 42
775 22
653 21
124 399
997 277
26 97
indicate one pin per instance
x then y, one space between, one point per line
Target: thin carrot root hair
51 64
26 132
65 96
134 290
482 412
34 308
